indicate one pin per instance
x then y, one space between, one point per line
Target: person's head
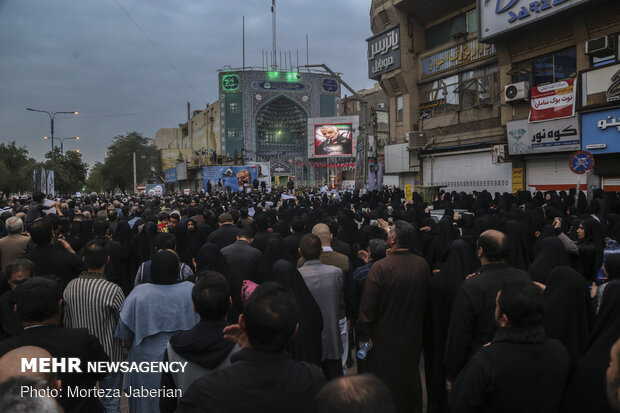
270 317
41 232
246 234
211 295
330 132
10 365
101 228
165 268
190 225
298 225
13 400
612 266
38 300
400 235
519 304
322 231
173 221
14 225
96 254
18 270
244 177
363 393
165 241
310 247
225 219
377 248
493 246
38 196
613 377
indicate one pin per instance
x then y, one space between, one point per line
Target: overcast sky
89 56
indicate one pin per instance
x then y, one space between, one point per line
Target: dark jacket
224 235
66 342
292 244
243 261
10 324
513 375
258 382
472 323
53 259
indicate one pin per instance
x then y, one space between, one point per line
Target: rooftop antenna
273 28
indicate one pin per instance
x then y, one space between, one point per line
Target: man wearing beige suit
15 244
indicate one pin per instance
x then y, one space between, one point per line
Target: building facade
469 90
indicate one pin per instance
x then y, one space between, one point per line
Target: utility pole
135 183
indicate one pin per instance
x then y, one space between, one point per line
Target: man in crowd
520 370
325 282
17 271
472 324
203 347
363 393
38 303
262 376
93 302
15 244
292 241
242 257
50 256
226 234
391 318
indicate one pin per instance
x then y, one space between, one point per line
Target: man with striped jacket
93 302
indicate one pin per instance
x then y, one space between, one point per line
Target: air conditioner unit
416 140
517 91
600 46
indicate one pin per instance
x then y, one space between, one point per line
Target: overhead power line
160 52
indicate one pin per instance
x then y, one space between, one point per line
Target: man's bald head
364 393
322 231
494 244
11 363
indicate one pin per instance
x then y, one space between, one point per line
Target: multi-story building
458 76
378 130
193 144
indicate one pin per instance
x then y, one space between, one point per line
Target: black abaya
549 253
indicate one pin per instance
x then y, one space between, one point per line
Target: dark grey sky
88 55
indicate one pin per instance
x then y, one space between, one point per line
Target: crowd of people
470 303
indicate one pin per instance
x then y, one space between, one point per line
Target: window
235 108
444 32
464 91
554 66
399 108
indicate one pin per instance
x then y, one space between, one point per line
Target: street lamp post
62 150
52 115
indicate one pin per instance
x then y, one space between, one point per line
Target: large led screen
333 139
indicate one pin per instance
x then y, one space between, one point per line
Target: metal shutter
473 171
550 173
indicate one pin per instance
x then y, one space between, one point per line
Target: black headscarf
276 250
460 262
146 238
192 242
210 258
165 268
569 313
586 389
549 253
307 344
520 245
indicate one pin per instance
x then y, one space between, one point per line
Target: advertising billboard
235 177
553 101
263 171
332 136
558 135
154 189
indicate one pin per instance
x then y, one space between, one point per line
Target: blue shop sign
601 131
170 175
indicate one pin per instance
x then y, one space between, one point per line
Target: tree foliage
15 168
69 171
117 168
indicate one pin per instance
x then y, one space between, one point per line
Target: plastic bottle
363 351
